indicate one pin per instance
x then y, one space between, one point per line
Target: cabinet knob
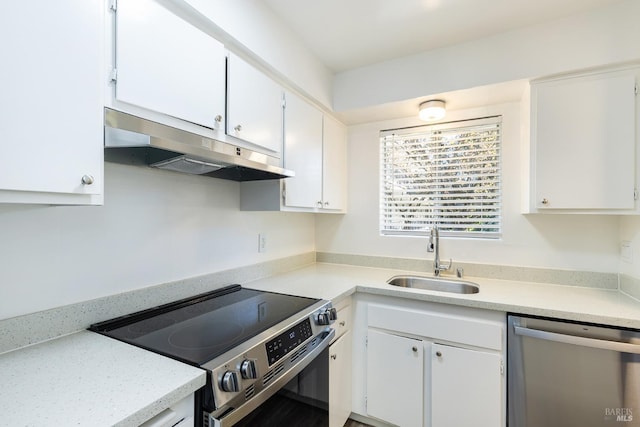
545 201
334 356
238 128
218 118
87 179
415 349
342 323
439 353
326 204
319 204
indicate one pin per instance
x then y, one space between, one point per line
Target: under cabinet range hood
133 140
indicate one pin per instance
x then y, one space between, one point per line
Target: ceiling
347 34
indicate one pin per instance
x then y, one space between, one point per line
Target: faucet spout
434 246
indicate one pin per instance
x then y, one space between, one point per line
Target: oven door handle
575 340
232 417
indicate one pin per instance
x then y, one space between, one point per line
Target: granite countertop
335 281
89 379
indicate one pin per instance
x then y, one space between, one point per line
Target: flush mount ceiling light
431 110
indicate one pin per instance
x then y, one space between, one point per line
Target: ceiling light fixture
431 110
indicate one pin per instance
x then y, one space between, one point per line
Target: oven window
303 402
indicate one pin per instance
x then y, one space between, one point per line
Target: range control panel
284 343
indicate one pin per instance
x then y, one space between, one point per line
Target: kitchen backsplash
36 327
32 328
522 274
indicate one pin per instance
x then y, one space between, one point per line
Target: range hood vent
132 140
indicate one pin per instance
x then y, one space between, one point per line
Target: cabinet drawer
343 324
453 328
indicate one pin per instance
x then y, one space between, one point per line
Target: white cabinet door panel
584 141
466 387
167 65
51 102
302 153
254 105
340 381
334 168
395 381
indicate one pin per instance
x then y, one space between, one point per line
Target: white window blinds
446 175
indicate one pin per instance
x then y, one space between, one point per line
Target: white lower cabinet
394 384
465 387
429 364
340 381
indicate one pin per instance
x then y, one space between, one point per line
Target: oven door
299 398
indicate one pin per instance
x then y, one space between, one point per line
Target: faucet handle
447 267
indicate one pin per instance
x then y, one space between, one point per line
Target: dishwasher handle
575 340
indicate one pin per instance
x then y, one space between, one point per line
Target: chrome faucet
434 246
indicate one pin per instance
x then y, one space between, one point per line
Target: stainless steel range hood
133 140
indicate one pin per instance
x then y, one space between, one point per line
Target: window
446 175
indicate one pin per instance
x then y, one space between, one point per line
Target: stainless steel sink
435 284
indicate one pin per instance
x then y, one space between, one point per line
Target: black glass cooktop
198 329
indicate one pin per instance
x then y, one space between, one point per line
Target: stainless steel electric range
266 354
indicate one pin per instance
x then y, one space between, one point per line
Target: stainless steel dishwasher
563 374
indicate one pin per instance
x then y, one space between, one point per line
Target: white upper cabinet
315 148
302 153
254 106
334 165
583 142
51 138
165 64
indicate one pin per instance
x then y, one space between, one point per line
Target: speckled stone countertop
593 305
89 379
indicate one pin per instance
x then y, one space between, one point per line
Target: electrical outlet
626 251
262 242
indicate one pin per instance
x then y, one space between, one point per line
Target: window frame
430 133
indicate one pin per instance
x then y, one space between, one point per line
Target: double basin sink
435 284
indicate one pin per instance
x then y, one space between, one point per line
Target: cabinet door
466 387
340 381
51 102
334 167
395 379
254 105
302 153
583 133
167 65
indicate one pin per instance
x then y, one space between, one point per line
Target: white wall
155 227
600 36
588 243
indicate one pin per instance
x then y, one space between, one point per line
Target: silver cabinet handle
545 201
218 118
582 341
342 323
415 349
438 353
238 128
87 179
326 204
334 356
